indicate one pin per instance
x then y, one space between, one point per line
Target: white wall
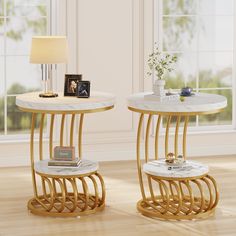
108 40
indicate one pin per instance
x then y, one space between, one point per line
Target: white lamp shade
49 50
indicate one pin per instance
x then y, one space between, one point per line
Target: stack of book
64 157
63 163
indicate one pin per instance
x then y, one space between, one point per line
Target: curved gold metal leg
51 136
74 197
167 136
72 129
80 134
138 156
185 136
157 136
102 200
32 154
177 135
147 138
62 129
41 136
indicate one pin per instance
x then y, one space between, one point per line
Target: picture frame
83 89
64 153
70 86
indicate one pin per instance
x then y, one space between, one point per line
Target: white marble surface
86 166
200 102
189 169
97 100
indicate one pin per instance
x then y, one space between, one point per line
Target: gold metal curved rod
177 134
165 197
44 187
96 197
75 192
210 203
161 190
167 135
61 199
103 187
147 138
72 129
43 204
138 156
151 188
32 154
191 199
216 190
171 189
181 190
65 186
157 136
202 204
155 204
51 136
86 193
177 198
54 186
62 129
80 135
185 135
52 195
41 136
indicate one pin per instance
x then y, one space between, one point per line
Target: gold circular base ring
38 207
144 207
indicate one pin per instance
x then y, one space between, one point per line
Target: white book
168 97
52 163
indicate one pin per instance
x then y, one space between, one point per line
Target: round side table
63 191
174 193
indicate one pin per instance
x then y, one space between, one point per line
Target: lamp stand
47 79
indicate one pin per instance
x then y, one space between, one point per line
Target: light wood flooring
120 216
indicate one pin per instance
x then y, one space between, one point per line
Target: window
200 33
19 21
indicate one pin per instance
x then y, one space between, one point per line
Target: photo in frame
71 82
83 89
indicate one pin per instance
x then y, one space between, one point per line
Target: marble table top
97 100
189 169
86 167
197 103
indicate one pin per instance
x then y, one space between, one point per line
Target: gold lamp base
48 95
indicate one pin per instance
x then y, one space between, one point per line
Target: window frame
6 135
157 37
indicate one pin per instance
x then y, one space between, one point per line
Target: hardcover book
73 163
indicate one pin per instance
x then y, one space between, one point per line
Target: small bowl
186 91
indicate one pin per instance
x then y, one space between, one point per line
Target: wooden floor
120 216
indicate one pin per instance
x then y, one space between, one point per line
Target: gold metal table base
63 195
171 198
180 199
66 197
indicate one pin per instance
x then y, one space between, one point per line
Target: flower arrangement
160 63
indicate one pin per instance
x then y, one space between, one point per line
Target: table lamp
48 50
